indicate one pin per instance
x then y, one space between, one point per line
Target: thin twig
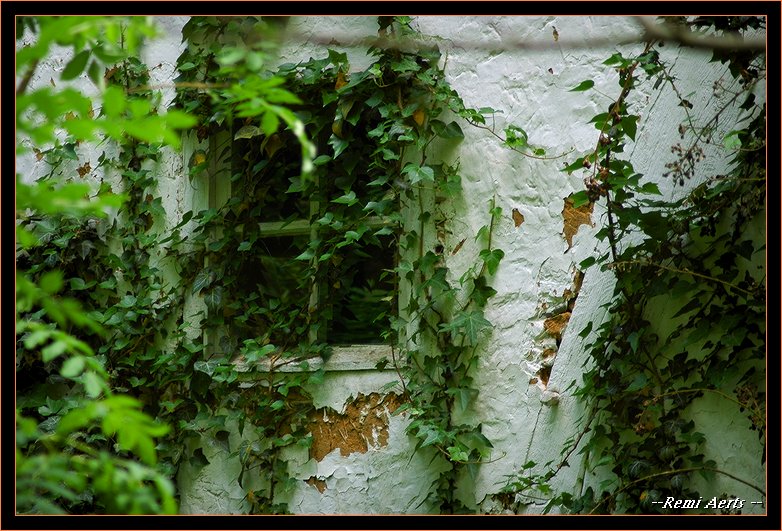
684 271
503 140
27 78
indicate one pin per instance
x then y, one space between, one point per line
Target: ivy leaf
320 160
207 367
475 440
248 131
128 301
202 280
214 298
638 383
417 173
471 324
339 145
457 454
449 131
433 435
630 125
482 292
584 85
464 398
348 199
75 66
492 259
308 254
254 354
633 339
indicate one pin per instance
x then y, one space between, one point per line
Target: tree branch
651 31
685 37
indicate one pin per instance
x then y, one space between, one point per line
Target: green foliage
367 138
687 317
82 444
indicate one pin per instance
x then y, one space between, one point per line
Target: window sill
343 358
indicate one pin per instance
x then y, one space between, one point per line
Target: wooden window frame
353 357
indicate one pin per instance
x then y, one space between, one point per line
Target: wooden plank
272 229
343 358
301 227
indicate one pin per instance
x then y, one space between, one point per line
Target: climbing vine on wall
360 174
687 317
366 197
85 443
350 154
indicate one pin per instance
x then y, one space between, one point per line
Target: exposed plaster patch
319 484
518 217
570 295
363 424
574 218
556 325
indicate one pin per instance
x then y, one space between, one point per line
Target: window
317 252
315 259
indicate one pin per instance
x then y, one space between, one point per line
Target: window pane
271 292
362 294
263 177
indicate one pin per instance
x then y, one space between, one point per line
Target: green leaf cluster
687 316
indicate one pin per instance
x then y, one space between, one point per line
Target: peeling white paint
524 421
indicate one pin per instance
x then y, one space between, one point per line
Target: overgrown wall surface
523 415
361 460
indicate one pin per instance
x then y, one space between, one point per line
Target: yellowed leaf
419 116
341 81
336 128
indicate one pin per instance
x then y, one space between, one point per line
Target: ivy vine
361 176
652 360
371 131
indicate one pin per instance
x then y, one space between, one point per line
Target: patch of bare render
574 218
362 425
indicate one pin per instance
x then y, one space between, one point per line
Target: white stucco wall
531 88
